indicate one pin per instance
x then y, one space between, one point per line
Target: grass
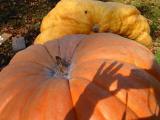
157 55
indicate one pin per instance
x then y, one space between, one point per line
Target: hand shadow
104 79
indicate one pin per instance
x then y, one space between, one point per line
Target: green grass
157 55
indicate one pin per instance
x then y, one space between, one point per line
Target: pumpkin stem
96 28
61 66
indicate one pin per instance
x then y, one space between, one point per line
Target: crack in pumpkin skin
87 80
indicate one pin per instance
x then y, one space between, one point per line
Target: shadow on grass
104 78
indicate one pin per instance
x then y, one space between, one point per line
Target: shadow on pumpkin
104 79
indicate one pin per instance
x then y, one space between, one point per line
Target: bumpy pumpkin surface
90 16
81 77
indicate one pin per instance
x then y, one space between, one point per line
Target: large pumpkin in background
81 77
90 16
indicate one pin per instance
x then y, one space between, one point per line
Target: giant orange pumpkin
81 77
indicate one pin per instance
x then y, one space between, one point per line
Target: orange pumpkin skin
99 77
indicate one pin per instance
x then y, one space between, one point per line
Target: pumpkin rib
110 59
128 107
72 41
17 91
156 86
36 90
71 98
140 46
33 93
17 74
59 47
34 54
21 116
13 80
41 90
98 85
130 64
118 99
75 49
105 90
49 53
43 66
104 118
34 62
7 106
149 92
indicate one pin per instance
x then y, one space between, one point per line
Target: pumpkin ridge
43 66
19 75
75 49
49 53
34 93
17 92
13 80
59 47
25 103
41 90
102 114
36 84
145 71
105 90
100 86
127 107
33 54
149 82
109 59
71 98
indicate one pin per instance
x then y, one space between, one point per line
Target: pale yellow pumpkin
89 16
